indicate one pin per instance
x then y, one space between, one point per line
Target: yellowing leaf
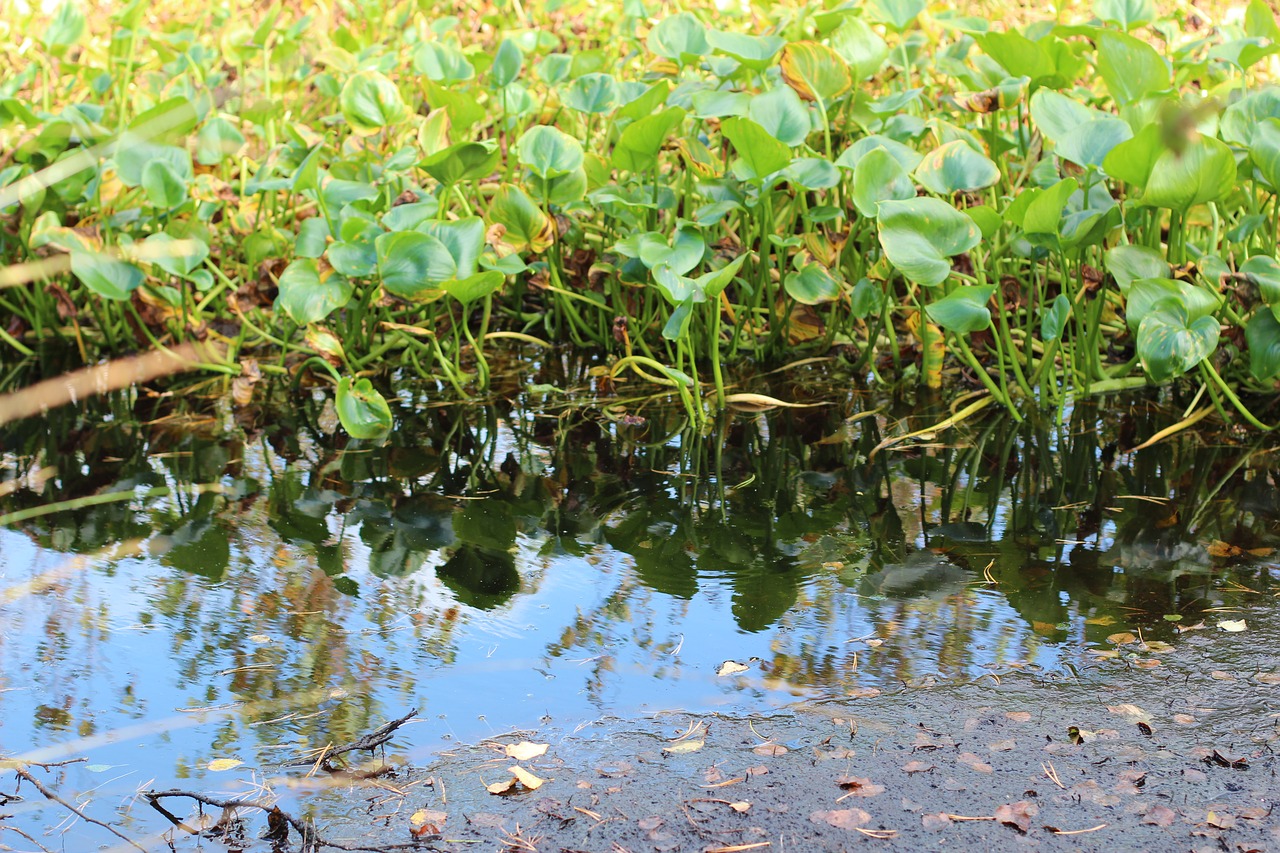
1234 626
740 808
526 778
220 764
504 787
524 750
815 71
1122 639
685 747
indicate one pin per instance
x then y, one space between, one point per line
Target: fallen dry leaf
524 750
771 749
1267 677
684 747
842 818
1123 638
740 808
426 822
1159 815
220 764
858 786
1184 719
1018 815
1233 626
935 822
972 761
731 667
918 767
506 786
526 778
1018 716
1002 745
863 692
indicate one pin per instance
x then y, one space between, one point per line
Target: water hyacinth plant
1045 210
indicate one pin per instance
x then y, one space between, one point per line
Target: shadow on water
494 564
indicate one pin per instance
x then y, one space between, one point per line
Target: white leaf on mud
1234 626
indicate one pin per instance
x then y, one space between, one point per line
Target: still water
254 586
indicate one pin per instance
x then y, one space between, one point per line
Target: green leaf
177 258
562 189
1264 272
363 411
815 71
370 102
134 154
506 64
1133 160
638 146
464 161
593 94
108 277
1131 69
464 238
879 177
1129 263
1056 115
682 254
906 156
781 112
66 28
896 14
1090 143
963 310
759 152
1260 21
860 46
812 285
1240 120
1054 321
677 325
1169 343
1018 55
1127 14
1146 294
955 167
711 284
549 152
217 140
681 37
754 52
165 190
1262 335
442 62
412 264
313 238
919 236
473 288
1204 171
1264 151
527 227
812 173
307 297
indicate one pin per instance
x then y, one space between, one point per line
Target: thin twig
50 795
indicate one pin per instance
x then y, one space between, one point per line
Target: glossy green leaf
362 410
442 62
812 285
164 188
1133 160
465 161
217 140
1241 118
1129 263
955 167
527 227
475 287
759 152
681 37
1264 272
782 114
1264 151
677 325
507 63
1089 144
1205 170
1126 14
1262 335
307 295
107 276
919 236
638 146
754 52
860 46
593 94
464 239
549 152
412 264
1053 322
1130 68
906 156
963 310
370 102
1017 54
896 14
1169 343
879 177
176 257
1145 294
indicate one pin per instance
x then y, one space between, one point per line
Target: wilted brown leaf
918 767
1159 815
859 786
1018 716
771 750
972 761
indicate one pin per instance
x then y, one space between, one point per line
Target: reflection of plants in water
791 514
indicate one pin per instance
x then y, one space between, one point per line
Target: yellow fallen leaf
684 747
1101 620
526 778
740 808
524 750
1234 626
1122 639
731 667
503 787
219 764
